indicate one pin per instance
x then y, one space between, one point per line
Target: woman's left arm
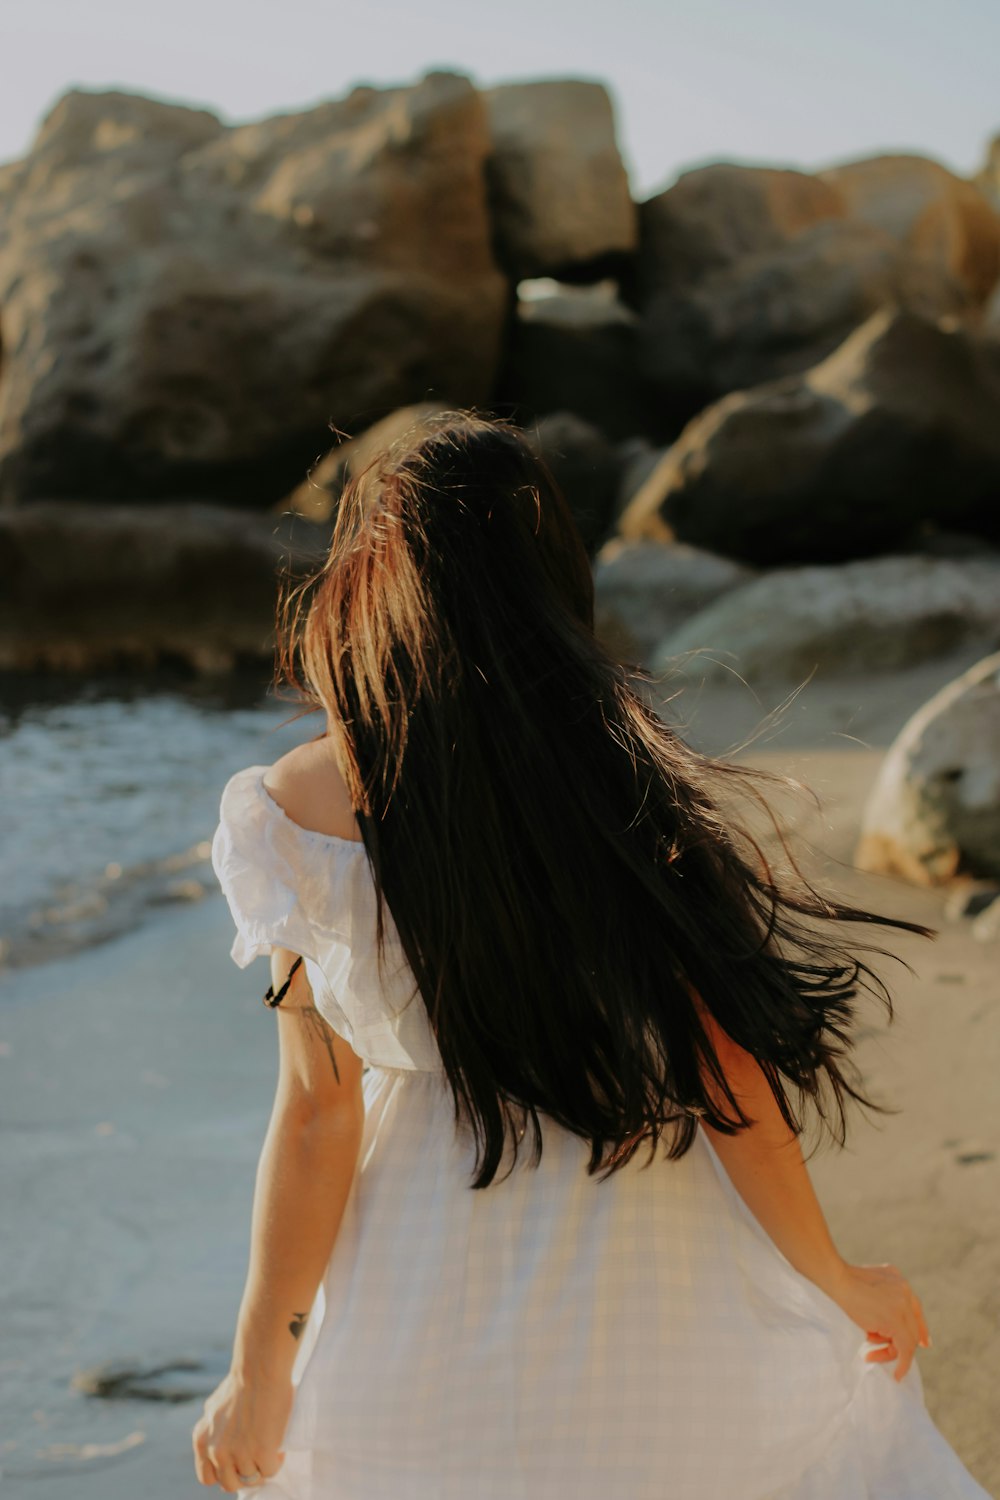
306 1169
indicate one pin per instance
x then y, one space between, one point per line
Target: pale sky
794 82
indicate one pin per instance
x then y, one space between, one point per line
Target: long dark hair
566 884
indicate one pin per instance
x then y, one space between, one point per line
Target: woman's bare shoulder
307 784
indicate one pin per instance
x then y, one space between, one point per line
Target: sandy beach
137 1082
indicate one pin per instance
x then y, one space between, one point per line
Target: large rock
779 312
576 349
559 192
746 274
645 590
876 615
715 216
935 809
187 307
93 587
897 430
933 214
317 496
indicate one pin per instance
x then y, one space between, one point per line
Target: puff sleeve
256 868
312 893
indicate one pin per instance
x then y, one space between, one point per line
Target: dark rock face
87 587
716 216
187 307
745 274
897 431
559 192
577 350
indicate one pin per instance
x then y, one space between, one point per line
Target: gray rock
188 307
780 311
871 616
646 590
90 587
177 1379
895 434
559 192
934 811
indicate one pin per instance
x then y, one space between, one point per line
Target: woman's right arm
766 1166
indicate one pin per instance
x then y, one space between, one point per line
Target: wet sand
136 1081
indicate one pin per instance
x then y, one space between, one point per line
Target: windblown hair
565 882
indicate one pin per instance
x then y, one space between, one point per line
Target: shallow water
109 794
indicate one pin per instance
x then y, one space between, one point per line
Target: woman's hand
241 1432
882 1302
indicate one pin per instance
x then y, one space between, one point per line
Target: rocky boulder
934 215
896 431
558 188
876 615
188 307
934 811
317 497
94 587
646 590
715 216
745 274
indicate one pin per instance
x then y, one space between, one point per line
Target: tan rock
934 811
559 192
936 216
317 496
188 307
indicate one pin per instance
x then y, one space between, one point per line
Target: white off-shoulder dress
550 1337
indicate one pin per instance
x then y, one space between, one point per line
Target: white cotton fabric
550 1337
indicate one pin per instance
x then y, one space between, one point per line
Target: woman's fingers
225 1468
269 1462
203 1466
905 1361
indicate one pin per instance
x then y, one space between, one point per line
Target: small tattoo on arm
320 1029
299 1321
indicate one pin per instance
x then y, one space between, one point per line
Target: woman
540 960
